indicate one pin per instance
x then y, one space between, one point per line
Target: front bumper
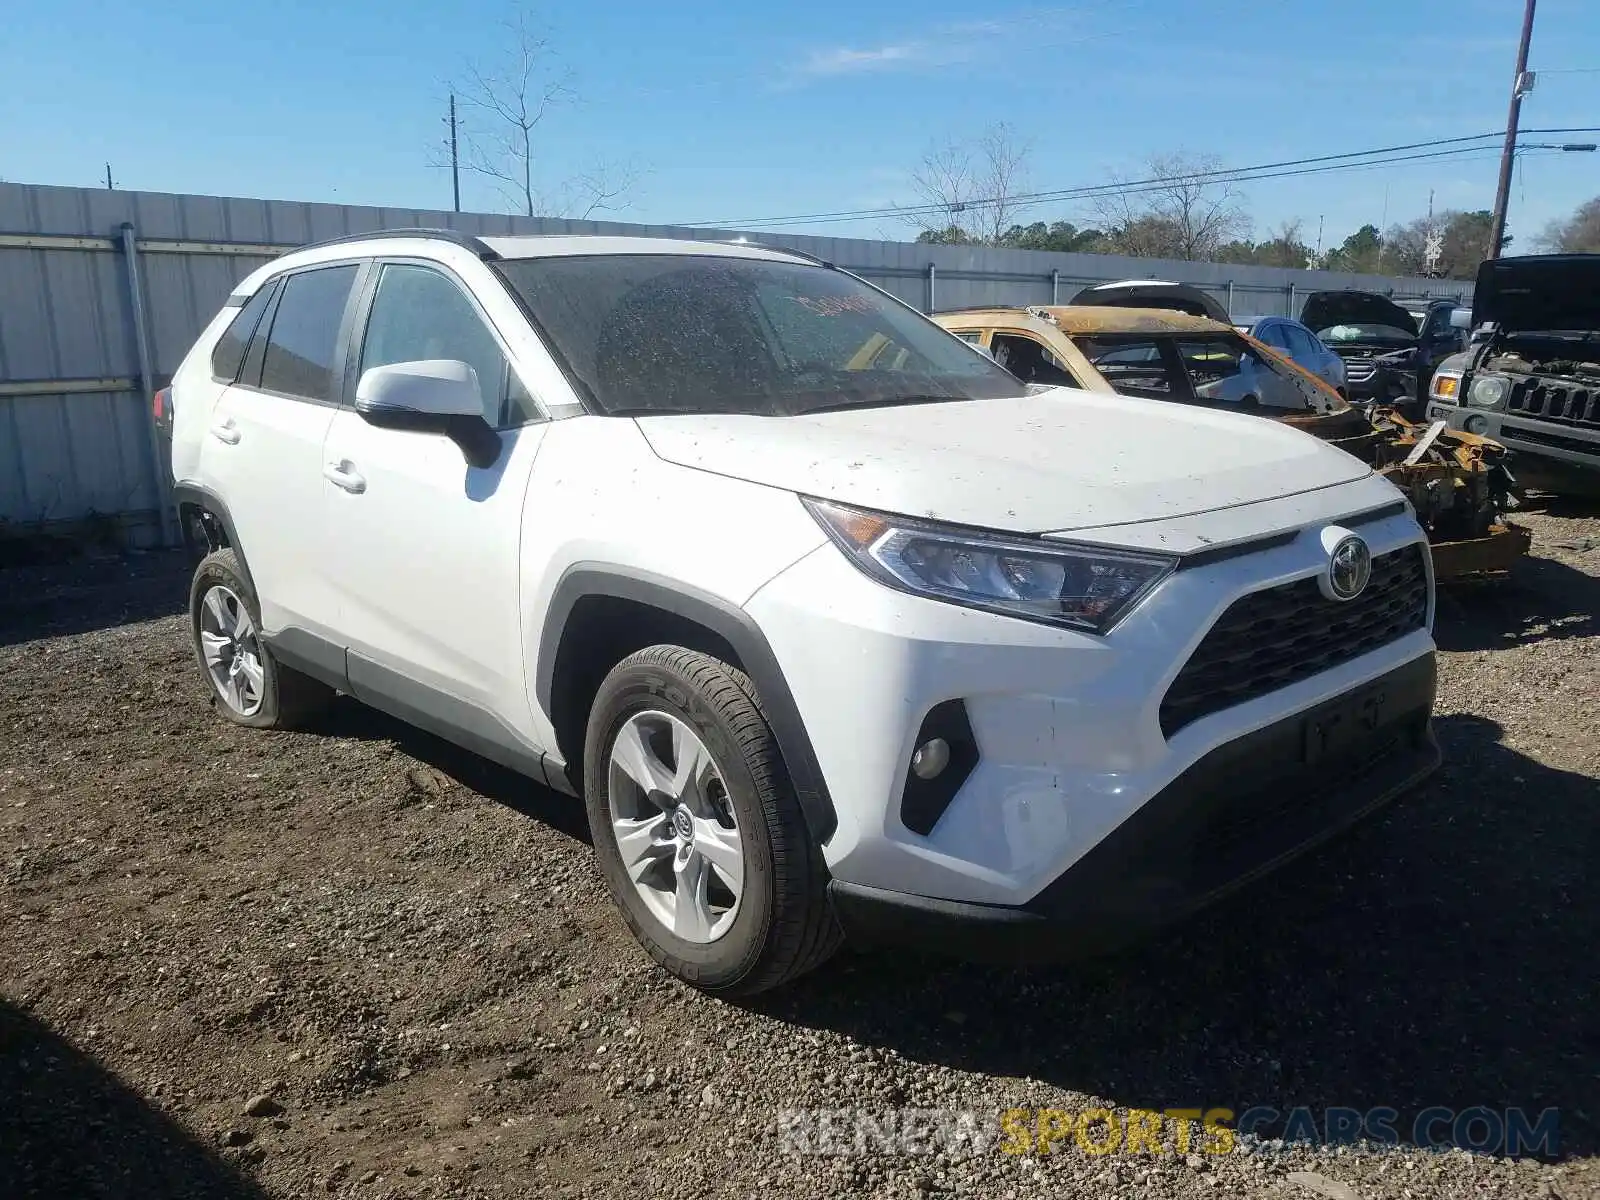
1068 726
1385 385
1575 445
1246 808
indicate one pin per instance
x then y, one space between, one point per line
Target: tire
283 698
781 924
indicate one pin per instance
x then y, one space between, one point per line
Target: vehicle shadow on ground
68 1127
1543 600
1441 954
351 719
59 599
1581 507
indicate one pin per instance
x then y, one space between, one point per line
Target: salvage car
1532 377
1389 356
836 627
1458 483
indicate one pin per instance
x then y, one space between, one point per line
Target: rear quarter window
228 353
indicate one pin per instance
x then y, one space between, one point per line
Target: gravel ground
360 962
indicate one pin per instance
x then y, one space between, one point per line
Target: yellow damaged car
1457 482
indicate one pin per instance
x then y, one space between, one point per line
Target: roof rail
989 308
455 236
745 241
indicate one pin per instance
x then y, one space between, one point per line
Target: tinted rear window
230 347
305 333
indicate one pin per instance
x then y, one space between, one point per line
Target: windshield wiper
881 402
648 410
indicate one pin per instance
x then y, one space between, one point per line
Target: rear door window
1135 365
1208 360
303 346
228 353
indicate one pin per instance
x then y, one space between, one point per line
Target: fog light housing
945 755
1477 423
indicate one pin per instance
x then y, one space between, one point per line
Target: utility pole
455 162
1519 85
109 184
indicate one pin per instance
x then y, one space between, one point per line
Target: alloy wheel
232 651
675 827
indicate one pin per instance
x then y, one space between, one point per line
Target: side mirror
1461 318
430 395
431 387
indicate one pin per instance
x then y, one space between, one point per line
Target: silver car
1294 340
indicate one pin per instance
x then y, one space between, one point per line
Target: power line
1137 187
1318 164
1066 193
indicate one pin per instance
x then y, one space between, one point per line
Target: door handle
342 473
226 430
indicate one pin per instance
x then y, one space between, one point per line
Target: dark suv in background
1390 348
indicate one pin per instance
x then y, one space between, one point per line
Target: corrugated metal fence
101 293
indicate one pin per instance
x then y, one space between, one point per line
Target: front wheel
697 827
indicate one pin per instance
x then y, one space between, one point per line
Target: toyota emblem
1349 568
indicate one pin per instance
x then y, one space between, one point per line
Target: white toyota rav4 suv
838 629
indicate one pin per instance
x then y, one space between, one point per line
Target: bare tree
1579 233
505 104
969 189
1286 247
1182 208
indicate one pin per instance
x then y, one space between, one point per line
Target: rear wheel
249 685
697 828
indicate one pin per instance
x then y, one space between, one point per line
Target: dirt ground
359 962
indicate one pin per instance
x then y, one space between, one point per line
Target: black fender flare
734 626
204 498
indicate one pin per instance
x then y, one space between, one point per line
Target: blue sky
741 111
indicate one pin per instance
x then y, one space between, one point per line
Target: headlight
1446 386
1488 391
1058 583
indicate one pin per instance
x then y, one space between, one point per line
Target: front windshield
1363 332
675 333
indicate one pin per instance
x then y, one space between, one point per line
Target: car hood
1323 310
1545 291
1155 293
1054 461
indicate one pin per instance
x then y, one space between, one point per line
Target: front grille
1521 433
1359 370
1272 638
1548 400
